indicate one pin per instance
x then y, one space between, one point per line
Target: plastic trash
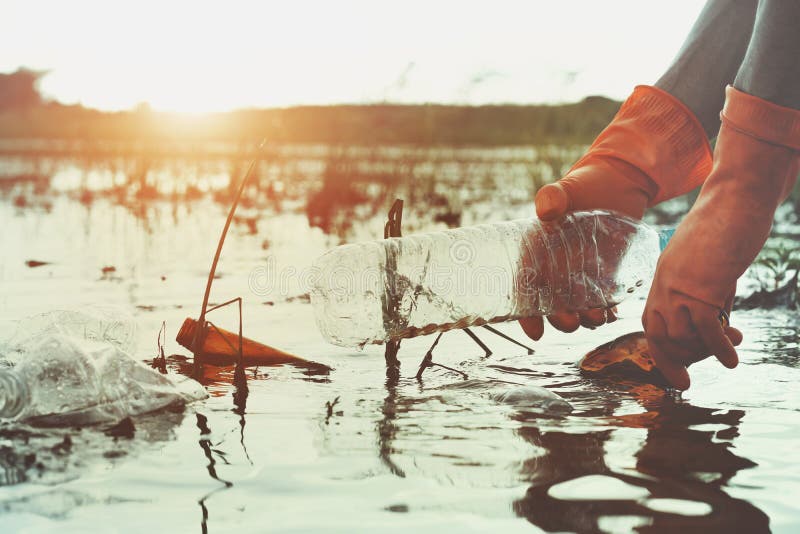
105 324
534 398
74 368
403 287
220 347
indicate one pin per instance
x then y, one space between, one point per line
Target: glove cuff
760 119
661 138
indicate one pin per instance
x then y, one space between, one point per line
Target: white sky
214 56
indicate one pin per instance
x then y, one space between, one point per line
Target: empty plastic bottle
76 373
403 287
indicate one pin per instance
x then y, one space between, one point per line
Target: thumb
552 202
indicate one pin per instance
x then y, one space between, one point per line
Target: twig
160 361
427 361
480 343
508 338
198 339
392 229
329 406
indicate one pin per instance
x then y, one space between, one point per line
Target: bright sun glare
197 57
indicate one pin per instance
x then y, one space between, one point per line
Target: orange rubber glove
756 162
653 150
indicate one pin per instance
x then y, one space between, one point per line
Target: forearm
710 58
771 67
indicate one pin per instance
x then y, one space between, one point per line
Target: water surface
352 450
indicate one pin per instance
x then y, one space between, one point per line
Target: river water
352 450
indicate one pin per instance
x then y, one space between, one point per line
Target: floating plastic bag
75 368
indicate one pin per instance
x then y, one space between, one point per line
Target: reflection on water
674 461
356 450
336 186
54 456
678 467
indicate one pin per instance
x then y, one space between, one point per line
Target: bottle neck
14 394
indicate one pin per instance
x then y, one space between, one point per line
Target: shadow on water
239 395
210 452
222 380
51 456
676 461
386 427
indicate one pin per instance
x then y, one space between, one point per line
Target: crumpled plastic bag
106 324
66 368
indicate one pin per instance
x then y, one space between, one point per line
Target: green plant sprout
780 260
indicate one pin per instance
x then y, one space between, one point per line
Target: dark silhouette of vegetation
777 269
429 124
18 90
25 114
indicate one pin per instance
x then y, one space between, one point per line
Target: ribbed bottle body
14 394
402 287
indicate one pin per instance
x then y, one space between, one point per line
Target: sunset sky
215 56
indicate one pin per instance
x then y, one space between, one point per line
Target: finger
689 358
592 318
565 321
680 338
658 343
717 343
674 371
734 334
682 333
686 357
533 327
551 202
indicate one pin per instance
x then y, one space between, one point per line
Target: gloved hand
756 162
653 150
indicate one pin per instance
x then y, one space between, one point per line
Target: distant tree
18 90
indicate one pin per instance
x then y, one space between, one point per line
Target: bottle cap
664 237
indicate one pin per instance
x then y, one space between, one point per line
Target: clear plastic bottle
403 287
76 372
